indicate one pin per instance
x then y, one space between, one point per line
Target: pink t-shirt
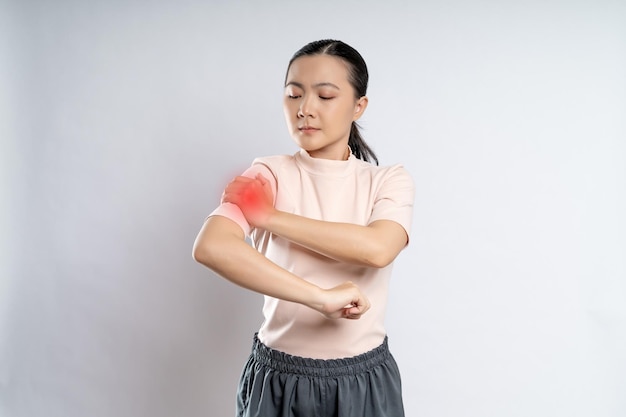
351 191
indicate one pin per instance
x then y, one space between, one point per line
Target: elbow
379 257
385 241
203 252
379 260
199 253
381 252
217 243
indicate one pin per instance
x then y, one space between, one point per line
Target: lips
307 129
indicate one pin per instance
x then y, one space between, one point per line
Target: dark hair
358 77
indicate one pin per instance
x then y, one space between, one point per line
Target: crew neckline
326 167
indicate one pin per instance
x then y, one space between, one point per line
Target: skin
320 106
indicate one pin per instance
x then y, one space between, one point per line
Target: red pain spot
251 198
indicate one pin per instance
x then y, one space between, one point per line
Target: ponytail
359 148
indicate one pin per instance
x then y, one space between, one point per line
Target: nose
306 107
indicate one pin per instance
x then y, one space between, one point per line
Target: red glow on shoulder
251 198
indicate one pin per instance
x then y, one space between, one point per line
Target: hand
344 301
253 196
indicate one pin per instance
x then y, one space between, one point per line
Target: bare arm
375 245
221 246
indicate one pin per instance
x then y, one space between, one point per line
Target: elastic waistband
284 362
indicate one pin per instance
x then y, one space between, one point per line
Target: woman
325 226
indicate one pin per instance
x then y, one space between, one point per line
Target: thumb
353 312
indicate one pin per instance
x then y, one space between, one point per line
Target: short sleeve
232 211
394 198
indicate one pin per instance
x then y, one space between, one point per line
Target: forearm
221 246
232 258
247 268
375 245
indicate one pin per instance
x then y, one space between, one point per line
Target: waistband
284 362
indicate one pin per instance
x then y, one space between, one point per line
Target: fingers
356 311
241 178
352 313
261 178
345 301
243 190
247 180
245 184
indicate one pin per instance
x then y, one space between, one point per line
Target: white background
122 121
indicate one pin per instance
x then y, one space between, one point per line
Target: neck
346 154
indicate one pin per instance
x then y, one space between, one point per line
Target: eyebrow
300 85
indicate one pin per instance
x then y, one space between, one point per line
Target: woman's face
320 105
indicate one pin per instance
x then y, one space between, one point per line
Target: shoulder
386 172
275 162
269 165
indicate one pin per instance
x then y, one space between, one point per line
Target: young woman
325 225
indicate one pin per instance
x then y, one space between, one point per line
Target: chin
302 145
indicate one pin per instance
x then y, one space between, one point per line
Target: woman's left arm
376 244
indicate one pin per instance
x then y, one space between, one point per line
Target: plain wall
121 122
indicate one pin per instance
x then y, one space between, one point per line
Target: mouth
307 129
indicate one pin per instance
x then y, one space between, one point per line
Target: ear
359 108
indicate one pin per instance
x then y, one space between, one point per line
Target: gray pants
275 384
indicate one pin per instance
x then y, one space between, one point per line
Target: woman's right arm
221 246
